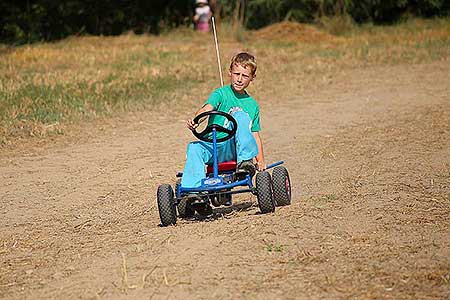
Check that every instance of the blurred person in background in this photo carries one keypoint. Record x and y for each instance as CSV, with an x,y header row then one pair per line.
x,y
202,15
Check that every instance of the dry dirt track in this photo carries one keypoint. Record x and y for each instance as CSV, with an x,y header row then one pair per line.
x,y
369,158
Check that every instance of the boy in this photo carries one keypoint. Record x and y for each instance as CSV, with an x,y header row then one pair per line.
x,y
246,145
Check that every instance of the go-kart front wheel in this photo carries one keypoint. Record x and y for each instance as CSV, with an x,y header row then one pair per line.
x,y
264,192
281,186
166,205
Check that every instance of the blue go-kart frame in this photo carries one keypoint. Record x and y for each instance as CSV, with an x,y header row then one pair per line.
x,y
222,184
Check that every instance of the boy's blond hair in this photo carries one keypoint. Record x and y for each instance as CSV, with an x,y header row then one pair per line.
x,y
244,59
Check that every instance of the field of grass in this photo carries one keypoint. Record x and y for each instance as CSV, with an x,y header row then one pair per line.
x,y
46,87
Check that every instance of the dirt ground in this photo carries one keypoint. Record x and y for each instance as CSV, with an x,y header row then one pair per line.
x,y
369,160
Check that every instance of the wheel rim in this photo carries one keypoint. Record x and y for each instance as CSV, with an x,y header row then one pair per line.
x,y
288,187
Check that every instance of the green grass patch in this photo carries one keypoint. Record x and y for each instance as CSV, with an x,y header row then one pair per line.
x,y
48,104
328,198
274,248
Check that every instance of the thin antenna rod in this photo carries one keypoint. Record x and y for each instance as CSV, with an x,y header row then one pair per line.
x,y
217,50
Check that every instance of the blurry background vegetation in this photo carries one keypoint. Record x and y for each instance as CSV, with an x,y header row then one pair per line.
x,y
109,58
45,20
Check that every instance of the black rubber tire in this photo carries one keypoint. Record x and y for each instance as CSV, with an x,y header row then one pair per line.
x,y
264,192
185,209
281,186
166,205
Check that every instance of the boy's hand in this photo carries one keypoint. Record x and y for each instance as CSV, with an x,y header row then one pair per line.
x,y
190,122
261,165
191,125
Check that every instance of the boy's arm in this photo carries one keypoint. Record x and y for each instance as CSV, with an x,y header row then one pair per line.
x,y
190,122
260,163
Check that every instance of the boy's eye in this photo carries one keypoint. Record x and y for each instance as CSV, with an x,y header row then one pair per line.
x,y
243,75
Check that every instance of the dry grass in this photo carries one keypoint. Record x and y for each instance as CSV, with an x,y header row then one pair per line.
x,y
44,87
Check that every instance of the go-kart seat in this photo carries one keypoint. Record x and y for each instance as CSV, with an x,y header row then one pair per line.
x,y
223,166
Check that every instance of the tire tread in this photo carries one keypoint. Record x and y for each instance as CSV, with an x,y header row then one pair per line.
x,y
165,198
265,192
281,195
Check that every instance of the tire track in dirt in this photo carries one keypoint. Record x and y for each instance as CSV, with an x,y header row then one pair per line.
x,y
369,163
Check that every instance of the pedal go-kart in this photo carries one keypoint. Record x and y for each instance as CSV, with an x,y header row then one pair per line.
x,y
221,182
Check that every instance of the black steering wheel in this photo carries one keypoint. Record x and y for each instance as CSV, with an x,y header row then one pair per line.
x,y
203,136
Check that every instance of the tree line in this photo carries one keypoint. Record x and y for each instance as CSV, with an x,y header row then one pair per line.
x,y
46,20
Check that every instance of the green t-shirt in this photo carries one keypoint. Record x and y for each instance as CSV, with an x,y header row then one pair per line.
x,y
226,100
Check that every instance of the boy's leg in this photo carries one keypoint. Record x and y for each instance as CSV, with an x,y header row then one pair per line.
x,y
246,147
226,151
197,155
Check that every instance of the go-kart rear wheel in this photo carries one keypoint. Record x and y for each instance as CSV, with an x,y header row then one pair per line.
x,y
185,209
166,205
281,186
264,191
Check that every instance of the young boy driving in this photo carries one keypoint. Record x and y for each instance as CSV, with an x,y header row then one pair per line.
x,y
246,146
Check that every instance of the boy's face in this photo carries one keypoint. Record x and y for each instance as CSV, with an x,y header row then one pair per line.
x,y
240,78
